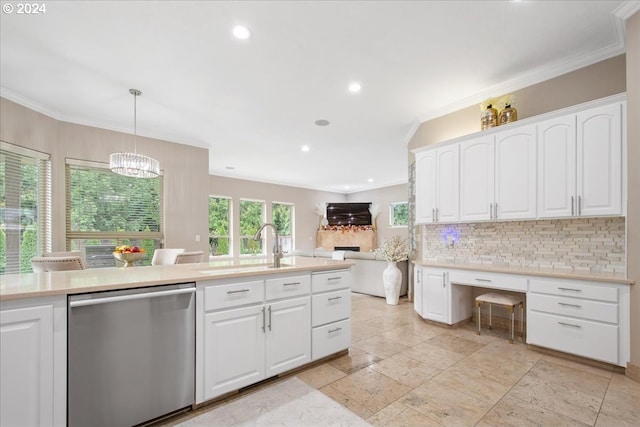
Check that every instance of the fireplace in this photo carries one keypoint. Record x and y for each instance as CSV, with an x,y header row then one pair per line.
x,y
347,248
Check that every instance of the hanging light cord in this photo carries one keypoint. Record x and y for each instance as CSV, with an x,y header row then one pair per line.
x,y
135,93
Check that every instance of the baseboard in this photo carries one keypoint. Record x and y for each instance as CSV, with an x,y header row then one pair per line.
x,y
633,371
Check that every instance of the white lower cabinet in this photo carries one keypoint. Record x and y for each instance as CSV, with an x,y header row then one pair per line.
x,y
250,330
437,299
588,319
331,312
33,364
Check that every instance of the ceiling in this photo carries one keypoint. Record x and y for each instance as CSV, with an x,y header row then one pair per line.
x,y
254,102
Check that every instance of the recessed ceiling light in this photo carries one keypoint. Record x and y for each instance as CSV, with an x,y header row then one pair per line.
x,y
346,187
322,122
355,87
370,180
241,32
304,148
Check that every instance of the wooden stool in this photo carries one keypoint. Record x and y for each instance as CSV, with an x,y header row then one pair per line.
x,y
508,301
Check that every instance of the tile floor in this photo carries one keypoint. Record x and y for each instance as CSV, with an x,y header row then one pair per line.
x,y
403,371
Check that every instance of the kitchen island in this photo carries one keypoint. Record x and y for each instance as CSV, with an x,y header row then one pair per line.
x,y
252,322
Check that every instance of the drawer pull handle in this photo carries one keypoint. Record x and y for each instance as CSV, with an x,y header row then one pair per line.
x,y
291,284
570,305
570,324
334,330
484,280
570,289
335,278
334,298
239,291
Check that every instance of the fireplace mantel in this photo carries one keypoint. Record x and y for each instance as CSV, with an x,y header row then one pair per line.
x,y
329,239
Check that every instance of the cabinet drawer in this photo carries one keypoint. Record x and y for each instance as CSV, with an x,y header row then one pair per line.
x,y
285,287
330,281
573,288
233,295
330,307
489,280
329,339
574,307
581,337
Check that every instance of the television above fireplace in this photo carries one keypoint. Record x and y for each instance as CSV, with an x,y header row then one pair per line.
x,y
348,213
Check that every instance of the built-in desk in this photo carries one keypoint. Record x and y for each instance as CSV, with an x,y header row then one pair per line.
x,y
581,314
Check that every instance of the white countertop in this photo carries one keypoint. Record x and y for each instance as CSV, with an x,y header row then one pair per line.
x,y
533,271
30,285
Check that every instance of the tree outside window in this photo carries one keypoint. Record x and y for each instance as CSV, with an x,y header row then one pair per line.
x,y
282,214
251,217
219,225
398,214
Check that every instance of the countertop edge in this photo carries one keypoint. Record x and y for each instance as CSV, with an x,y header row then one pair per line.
x,y
524,271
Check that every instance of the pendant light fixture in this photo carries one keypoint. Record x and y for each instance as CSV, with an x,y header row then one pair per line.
x,y
133,164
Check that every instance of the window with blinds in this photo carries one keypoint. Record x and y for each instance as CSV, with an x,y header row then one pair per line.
x,y
25,202
105,210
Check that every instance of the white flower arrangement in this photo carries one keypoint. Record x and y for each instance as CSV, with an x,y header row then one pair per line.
x,y
393,250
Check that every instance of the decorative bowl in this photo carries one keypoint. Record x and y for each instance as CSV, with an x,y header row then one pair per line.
x,y
129,258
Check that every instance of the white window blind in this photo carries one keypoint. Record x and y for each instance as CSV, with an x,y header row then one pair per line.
x,y
25,202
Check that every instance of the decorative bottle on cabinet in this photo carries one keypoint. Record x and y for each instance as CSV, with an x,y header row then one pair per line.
x,y
489,118
508,115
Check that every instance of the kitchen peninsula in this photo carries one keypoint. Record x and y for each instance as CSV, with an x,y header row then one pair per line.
x,y
252,322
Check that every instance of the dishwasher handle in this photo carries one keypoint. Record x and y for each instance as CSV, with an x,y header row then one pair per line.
x,y
96,301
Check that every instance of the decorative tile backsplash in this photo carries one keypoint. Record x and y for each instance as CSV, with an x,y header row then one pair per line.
x,y
585,244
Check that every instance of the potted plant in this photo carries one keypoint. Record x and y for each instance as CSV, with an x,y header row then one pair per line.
x,y
393,250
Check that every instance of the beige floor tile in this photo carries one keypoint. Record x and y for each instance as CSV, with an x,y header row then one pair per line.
x,y
398,415
387,322
435,356
516,352
471,380
447,406
558,398
402,336
354,361
601,371
427,330
380,346
362,330
622,401
365,313
570,377
348,402
606,420
511,412
408,371
504,370
455,344
371,389
321,375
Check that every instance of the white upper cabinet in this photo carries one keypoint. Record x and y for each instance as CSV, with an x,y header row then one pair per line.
x,y
580,164
557,167
498,176
437,185
515,168
477,179
599,161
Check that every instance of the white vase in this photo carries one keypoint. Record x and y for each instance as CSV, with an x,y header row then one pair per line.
x,y
392,280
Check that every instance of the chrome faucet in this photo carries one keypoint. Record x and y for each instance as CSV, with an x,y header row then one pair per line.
x,y
277,252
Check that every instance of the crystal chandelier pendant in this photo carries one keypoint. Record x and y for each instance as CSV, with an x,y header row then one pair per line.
x,y
133,164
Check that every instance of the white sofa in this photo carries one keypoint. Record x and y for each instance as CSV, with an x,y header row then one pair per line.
x,y
366,274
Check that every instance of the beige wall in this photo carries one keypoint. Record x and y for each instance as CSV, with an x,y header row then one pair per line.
x,y
384,196
185,169
595,81
633,157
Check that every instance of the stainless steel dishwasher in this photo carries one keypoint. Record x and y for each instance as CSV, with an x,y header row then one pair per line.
x,y
131,355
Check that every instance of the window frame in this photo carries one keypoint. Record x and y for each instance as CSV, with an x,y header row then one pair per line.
x,y
392,206
263,251
291,236
229,237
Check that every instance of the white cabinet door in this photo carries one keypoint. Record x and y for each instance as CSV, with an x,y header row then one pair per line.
x,y
26,366
288,335
557,167
418,289
435,296
477,179
515,173
599,161
425,186
233,349
448,184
